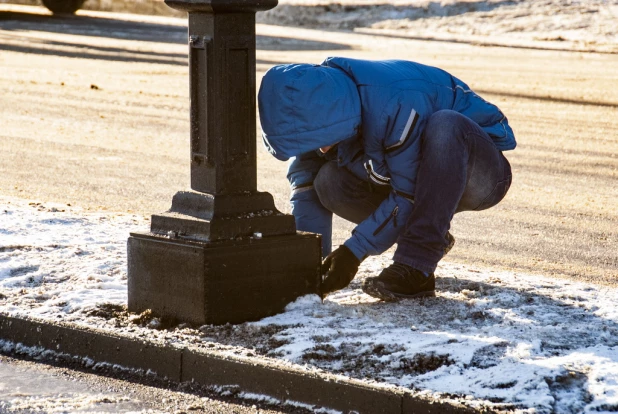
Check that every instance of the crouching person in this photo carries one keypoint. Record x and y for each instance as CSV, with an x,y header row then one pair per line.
x,y
394,146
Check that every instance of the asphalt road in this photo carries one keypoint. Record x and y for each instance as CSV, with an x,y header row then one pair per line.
x,y
94,113
32,387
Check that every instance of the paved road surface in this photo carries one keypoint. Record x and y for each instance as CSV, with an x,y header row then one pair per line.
x,y
94,112
27,387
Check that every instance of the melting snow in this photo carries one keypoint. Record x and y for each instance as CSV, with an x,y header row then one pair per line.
x,y
507,340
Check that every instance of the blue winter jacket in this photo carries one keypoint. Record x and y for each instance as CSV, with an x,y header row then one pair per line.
x,y
376,111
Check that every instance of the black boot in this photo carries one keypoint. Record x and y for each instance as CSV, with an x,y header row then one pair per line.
x,y
400,281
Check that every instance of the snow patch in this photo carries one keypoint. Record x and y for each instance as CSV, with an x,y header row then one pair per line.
x,y
491,338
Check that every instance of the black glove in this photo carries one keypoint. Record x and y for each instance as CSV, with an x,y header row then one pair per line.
x,y
338,270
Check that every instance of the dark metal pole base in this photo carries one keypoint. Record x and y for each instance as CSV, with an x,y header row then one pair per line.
x,y
221,282
202,216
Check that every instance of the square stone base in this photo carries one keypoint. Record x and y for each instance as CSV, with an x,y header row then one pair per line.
x,y
220,282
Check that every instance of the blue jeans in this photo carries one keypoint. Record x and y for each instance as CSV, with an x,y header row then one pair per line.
x,y
460,170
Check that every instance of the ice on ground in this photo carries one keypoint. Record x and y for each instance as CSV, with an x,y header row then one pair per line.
x,y
500,339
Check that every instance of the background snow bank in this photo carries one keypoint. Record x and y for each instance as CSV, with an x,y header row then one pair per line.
x,y
506,340
566,24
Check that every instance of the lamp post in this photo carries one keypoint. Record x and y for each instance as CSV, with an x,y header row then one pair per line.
x,y
223,252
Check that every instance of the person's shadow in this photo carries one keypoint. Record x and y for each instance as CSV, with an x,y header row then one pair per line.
x,y
507,339
493,330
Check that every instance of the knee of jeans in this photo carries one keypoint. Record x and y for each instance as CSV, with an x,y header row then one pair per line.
x,y
441,126
323,184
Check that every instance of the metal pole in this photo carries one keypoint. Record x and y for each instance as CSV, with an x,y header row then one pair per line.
x,y
223,252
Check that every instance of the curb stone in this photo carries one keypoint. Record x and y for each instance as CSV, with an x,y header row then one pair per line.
x,y
96,345
208,368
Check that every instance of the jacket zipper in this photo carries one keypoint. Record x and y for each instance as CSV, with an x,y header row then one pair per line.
x,y
392,216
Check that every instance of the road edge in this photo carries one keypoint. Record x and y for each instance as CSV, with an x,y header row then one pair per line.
x,y
248,376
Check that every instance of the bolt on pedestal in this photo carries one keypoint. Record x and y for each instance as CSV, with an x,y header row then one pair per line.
x,y
223,252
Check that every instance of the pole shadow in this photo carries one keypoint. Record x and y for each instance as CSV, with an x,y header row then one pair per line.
x,y
16,23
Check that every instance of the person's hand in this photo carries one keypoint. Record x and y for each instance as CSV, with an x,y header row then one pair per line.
x,y
338,270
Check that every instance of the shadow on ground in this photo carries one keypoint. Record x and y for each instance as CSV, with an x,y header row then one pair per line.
x,y
147,32
368,341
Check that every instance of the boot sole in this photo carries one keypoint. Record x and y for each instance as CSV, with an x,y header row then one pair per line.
x,y
388,296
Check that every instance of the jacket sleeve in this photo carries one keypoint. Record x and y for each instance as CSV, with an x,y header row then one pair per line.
x,y
393,146
309,213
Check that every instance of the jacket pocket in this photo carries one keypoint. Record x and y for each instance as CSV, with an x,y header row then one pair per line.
x,y
392,216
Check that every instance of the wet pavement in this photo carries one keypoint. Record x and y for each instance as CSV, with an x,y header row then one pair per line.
x,y
29,387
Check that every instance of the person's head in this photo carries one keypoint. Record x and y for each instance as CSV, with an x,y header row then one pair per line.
x,y
306,107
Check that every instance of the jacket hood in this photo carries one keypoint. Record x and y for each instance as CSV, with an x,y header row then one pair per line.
x,y
305,107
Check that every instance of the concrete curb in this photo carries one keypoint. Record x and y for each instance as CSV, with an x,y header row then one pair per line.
x,y
244,374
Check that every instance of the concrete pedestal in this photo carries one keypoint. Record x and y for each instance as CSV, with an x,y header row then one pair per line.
x,y
218,282
201,262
